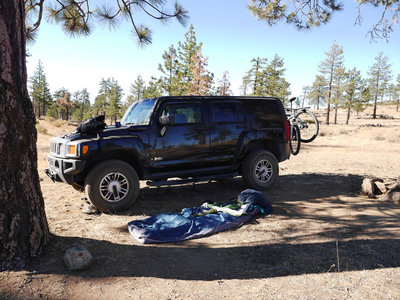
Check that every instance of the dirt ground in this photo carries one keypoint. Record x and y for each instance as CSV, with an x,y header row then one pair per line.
x,y
323,240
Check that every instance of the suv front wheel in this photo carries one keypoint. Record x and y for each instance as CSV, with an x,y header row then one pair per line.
x,y
112,186
260,170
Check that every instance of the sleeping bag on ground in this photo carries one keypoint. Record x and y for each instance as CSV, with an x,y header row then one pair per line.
x,y
200,221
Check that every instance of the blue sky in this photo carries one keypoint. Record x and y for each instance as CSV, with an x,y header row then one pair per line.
x,y
231,37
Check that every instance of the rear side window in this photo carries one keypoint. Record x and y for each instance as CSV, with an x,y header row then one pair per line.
x,y
183,113
265,113
230,112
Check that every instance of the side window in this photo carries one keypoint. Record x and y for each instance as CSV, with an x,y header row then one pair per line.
x,y
183,113
226,113
266,113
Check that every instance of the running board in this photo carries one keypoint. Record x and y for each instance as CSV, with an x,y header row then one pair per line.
x,y
191,180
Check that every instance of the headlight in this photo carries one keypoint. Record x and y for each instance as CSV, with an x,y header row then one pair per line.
x,y
72,150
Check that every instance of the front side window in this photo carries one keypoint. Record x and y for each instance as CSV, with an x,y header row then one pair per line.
x,y
183,113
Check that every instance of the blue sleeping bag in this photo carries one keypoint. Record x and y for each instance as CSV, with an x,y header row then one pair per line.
x,y
200,221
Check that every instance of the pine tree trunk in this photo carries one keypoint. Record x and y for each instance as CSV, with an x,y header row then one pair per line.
x,y
376,96
328,106
23,225
335,120
348,115
375,101
81,114
255,84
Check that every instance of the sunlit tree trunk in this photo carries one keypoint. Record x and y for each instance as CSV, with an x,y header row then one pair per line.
x,y
335,118
349,110
23,224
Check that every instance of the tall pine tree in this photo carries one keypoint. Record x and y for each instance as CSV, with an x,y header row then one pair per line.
x,y
353,88
255,76
108,100
187,51
39,91
338,89
82,104
224,85
136,90
114,96
274,83
380,75
153,89
266,78
170,70
317,93
329,67
397,90
202,79
64,103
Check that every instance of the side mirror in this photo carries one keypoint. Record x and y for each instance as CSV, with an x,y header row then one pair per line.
x,y
166,120
292,99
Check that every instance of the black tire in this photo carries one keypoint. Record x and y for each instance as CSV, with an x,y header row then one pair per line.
x,y
112,186
308,124
260,170
295,140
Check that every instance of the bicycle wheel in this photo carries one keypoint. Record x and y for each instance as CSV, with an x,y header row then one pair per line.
x,y
308,124
295,140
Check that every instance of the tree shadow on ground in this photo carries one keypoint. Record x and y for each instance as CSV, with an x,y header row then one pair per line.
x,y
185,262
366,241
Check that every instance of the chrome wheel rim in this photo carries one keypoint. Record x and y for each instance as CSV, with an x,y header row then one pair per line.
x,y
114,187
264,171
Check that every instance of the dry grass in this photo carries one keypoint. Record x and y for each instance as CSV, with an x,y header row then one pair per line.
x,y
59,123
41,129
379,138
394,140
50,119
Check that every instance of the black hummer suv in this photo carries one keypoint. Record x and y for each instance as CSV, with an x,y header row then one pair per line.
x,y
189,138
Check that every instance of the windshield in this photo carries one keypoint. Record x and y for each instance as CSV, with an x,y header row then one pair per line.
x,y
139,113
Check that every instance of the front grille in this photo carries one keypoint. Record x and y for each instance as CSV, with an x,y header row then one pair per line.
x,y
56,148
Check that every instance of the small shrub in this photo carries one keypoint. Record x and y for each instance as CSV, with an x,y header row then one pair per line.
x,y
50,119
379,138
59,123
322,133
395,140
41,129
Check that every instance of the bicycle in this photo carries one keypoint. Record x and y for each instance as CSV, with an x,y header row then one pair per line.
x,y
294,137
305,120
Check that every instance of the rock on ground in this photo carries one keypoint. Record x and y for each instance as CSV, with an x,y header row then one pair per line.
x,y
78,258
369,187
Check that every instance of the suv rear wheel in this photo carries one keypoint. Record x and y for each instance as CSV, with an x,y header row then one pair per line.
x,y
260,170
112,186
